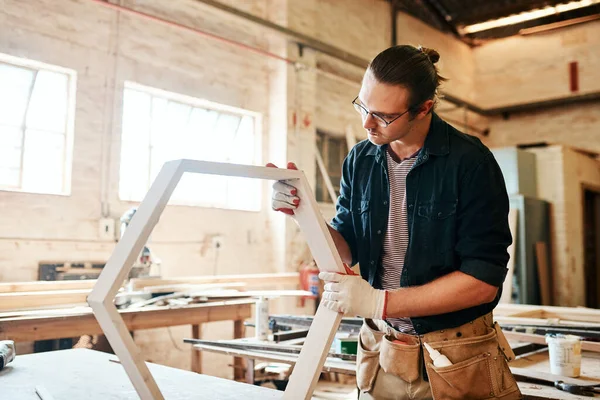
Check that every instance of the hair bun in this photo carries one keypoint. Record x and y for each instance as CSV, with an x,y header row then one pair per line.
x,y
433,55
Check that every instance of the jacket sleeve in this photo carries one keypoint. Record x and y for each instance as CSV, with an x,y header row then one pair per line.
x,y
483,235
342,222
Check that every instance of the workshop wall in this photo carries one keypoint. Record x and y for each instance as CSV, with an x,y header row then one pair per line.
x,y
524,69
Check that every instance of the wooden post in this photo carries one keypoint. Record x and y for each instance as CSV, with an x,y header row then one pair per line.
x,y
196,354
238,362
541,254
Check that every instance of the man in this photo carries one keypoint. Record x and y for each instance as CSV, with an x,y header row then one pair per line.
x,y
423,209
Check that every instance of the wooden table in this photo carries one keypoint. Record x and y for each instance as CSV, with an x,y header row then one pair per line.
x,y
89,374
539,361
43,325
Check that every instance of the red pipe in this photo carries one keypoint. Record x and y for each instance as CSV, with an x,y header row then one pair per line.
x,y
573,76
194,30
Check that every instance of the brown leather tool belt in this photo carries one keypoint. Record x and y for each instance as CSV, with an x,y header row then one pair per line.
x,y
478,351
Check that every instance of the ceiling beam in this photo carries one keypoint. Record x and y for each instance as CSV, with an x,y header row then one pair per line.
x,y
593,97
443,17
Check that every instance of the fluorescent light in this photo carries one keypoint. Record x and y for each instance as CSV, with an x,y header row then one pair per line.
x,y
527,16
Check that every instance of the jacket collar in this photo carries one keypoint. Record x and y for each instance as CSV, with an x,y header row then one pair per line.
x,y
437,140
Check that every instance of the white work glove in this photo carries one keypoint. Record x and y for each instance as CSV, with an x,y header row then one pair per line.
x,y
353,296
284,197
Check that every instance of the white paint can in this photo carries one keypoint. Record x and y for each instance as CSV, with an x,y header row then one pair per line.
x,y
565,355
261,319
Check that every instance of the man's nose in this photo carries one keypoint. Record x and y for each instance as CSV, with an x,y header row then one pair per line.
x,y
369,122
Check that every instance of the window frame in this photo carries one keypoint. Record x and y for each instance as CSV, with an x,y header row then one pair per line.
x,y
67,162
325,139
198,103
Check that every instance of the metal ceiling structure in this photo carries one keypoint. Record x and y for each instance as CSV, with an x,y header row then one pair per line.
x,y
453,15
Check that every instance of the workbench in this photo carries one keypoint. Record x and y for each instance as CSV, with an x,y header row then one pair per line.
x,y
538,361
55,324
92,375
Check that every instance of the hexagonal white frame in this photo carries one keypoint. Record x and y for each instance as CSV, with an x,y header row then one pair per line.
x,y
325,323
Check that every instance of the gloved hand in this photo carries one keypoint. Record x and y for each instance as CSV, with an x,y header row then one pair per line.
x,y
284,197
352,295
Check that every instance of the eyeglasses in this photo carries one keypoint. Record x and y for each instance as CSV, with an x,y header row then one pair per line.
x,y
379,119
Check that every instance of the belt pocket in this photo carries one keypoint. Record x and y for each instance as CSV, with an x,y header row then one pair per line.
x,y
367,357
401,360
468,379
474,371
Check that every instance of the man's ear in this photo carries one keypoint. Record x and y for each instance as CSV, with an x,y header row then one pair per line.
x,y
425,109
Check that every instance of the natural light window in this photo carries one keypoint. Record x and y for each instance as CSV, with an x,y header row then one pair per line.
x,y
160,126
36,126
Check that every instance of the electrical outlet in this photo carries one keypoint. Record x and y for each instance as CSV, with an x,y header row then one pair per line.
x,y
217,241
106,229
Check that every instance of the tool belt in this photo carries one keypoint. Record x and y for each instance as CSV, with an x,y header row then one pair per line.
x,y
478,351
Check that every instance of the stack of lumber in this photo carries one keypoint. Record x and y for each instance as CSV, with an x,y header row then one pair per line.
x,y
55,294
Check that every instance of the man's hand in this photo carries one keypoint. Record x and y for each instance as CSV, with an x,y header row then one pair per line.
x,y
284,197
353,296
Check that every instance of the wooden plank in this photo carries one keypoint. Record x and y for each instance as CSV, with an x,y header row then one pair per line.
x,y
23,329
12,301
31,300
536,311
310,221
506,296
532,338
541,253
541,322
263,281
78,310
310,362
44,286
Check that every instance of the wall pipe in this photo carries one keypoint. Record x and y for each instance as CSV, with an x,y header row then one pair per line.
x,y
154,18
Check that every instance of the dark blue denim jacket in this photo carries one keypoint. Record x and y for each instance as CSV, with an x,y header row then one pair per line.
x,y
457,208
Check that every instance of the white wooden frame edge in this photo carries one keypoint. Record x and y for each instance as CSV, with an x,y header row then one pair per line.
x,y
325,323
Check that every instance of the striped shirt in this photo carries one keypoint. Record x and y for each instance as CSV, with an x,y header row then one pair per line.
x,y
396,236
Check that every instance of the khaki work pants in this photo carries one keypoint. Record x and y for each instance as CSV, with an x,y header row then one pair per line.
x,y
387,369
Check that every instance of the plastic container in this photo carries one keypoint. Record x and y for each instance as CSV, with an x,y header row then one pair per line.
x,y
261,319
565,355
438,359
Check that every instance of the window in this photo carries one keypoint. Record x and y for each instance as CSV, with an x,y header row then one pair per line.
x,y
160,126
333,150
37,103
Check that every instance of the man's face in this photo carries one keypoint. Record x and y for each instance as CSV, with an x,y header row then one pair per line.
x,y
388,101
